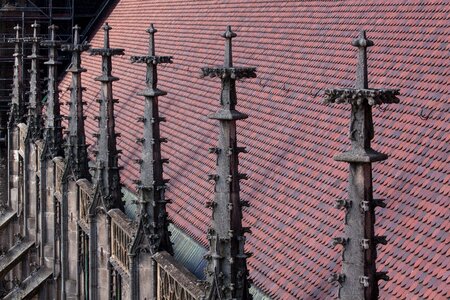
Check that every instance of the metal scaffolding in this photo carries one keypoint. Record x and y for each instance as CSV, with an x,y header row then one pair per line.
x,y
62,13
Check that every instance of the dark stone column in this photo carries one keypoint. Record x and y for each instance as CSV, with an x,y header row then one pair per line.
x,y
3,183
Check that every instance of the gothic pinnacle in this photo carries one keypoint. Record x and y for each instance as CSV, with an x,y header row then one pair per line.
x,y
152,184
359,279
226,272
17,111
77,158
34,121
53,139
107,183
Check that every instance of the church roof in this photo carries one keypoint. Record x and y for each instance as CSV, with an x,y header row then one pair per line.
x,y
299,48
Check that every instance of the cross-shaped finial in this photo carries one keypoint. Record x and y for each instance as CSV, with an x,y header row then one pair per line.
x,y
17,29
151,46
151,29
106,50
52,28
76,34
228,35
362,81
106,28
35,26
362,40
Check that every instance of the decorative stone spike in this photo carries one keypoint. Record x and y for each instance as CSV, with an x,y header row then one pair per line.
x,y
76,155
107,183
53,136
359,266
34,100
152,193
227,272
17,110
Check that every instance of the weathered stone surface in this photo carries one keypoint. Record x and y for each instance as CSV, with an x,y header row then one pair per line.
x,y
76,152
227,273
358,279
53,135
107,178
179,275
34,121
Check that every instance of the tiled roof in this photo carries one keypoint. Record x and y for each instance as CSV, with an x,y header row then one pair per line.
x,y
299,49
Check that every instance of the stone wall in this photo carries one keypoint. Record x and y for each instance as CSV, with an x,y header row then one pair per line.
x,y
3,177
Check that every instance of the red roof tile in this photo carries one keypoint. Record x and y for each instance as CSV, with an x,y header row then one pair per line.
x,y
299,48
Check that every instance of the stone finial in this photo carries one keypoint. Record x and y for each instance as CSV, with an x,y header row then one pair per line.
x,y
35,100
106,28
228,35
229,75
107,185
359,279
35,25
151,30
53,29
17,110
362,81
76,154
151,45
76,34
227,273
152,185
361,99
17,28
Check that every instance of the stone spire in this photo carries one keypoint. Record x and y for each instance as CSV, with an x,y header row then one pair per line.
x,y
227,272
108,185
77,158
53,136
152,185
359,278
17,111
35,100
